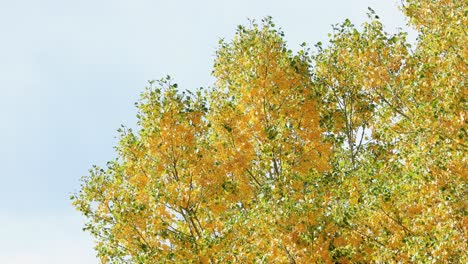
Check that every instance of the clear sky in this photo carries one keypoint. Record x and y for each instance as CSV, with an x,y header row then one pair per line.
x,y
70,72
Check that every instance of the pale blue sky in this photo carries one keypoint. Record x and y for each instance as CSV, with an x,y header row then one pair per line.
x,y
70,72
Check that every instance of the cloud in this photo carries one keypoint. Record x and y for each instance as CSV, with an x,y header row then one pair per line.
x,y
45,240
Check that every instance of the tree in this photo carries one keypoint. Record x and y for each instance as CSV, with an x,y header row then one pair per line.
x,y
353,154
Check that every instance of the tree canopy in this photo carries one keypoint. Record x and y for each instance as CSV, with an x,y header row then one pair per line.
x,y
352,153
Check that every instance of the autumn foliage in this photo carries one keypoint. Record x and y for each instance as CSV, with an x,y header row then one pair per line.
x,y
354,153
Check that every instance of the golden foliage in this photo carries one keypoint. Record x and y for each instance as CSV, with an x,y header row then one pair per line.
x,y
356,154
